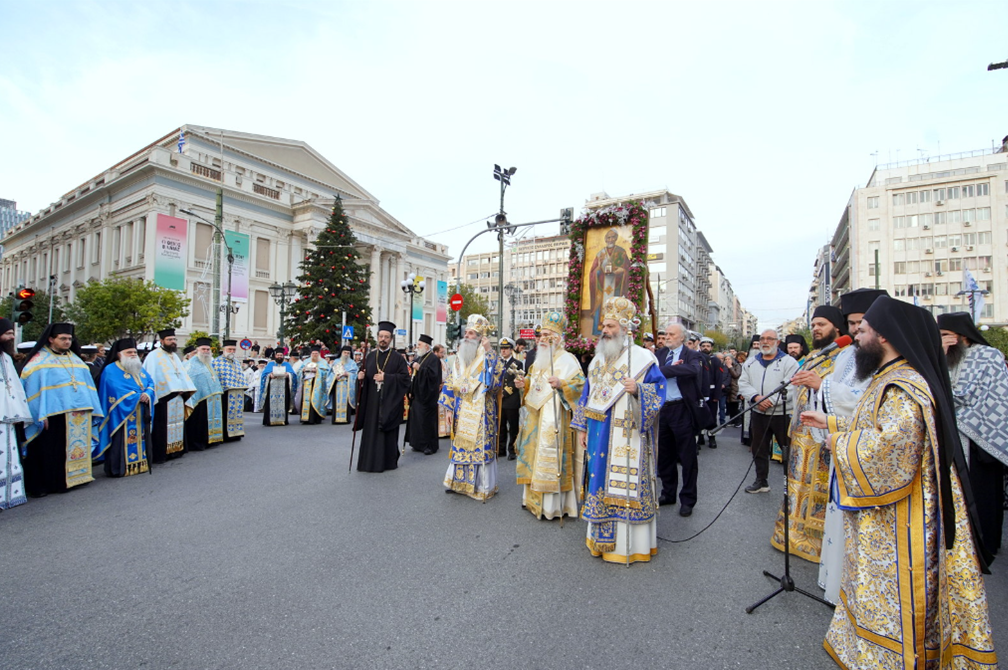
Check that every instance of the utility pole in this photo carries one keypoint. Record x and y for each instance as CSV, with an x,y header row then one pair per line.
x,y
219,220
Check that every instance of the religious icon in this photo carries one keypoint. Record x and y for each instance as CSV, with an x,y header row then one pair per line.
x,y
608,274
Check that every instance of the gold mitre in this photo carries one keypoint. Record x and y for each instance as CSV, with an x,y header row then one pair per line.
x,y
479,323
619,309
555,322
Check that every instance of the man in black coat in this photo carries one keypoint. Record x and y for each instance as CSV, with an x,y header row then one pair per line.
x,y
681,416
715,386
511,402
384,381
425,387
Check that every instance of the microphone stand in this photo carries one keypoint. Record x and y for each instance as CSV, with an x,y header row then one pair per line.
x,y
786,582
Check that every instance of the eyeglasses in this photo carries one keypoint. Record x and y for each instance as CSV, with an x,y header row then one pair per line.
x,y
768,339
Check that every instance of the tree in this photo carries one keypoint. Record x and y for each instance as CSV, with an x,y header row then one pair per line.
x,y
332,282
720,339
197,334
32,330
473,302
114,307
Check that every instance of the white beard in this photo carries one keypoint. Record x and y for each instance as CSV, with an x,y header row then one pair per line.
x,y
205,358
769,351
467,352
230,356
609,349
545,351
130,365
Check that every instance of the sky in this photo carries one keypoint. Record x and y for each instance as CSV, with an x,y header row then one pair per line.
x,y
763,116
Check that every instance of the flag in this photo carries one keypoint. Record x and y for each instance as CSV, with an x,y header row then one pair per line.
x,y
181,140
974,294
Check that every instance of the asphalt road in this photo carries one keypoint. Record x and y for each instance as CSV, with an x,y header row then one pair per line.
x,y
267,553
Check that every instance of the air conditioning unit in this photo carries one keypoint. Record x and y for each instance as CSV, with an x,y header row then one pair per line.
x,y
969,247
987,269
955,249
927,226
967,223
929,251
927,274
940,203
941,274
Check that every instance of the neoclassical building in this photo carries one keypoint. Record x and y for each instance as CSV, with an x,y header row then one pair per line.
x,y
278,191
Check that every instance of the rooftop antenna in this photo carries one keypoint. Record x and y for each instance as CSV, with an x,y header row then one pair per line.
x,y
874,156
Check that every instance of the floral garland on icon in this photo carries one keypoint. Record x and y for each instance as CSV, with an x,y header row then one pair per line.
x,y
633,214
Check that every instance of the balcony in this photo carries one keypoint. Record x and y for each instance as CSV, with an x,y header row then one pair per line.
x,y
204,171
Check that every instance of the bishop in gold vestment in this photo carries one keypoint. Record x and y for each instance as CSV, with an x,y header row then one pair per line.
x,y
550,465
809,463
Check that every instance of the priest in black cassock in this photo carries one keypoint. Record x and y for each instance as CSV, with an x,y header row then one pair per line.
x,y
384,382
422,426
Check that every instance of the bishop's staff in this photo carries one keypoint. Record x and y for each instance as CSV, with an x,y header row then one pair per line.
x,y
632,325
556,436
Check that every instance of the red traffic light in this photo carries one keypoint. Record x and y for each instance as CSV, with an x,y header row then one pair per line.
x,y
25,293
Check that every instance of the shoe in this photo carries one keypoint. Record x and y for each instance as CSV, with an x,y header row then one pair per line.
x,y
700,440
758,486
427,451
662,501
512,457
713,443
685,510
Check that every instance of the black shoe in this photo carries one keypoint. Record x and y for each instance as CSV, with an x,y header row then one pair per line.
x,y
758,486
685,510
662,501
512,457
713,443
427,451
700,440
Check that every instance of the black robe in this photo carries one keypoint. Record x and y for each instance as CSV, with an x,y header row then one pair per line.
x,y
158,449
115,455
288,398
379,413
422,427
45,465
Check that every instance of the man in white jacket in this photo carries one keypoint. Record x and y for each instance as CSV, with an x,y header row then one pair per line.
x,y
770,418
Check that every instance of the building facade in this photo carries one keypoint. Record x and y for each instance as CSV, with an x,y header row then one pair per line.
x,y
278,191
928,222
10,216
535,279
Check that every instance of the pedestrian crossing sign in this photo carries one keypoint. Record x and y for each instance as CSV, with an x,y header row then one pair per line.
x,y
347,332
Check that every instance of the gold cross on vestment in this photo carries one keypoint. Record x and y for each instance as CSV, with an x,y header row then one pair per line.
x,y
626,423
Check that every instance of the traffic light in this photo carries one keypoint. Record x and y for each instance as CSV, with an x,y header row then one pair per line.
x,y
566,220
23,305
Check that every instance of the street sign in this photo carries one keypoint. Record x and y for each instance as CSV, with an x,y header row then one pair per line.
x,y
245,344
401,332
526,334
347,332
456,302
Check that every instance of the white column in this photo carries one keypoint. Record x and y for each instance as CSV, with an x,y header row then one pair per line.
x,y
397,277
375,297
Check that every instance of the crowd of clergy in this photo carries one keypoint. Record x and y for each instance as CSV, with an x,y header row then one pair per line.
x,y
893,430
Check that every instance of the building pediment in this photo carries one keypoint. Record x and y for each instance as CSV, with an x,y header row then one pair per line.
x,y
294,155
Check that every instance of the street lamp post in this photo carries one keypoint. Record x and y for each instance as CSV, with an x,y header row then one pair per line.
x,y
513,293
411,287
229,309
283,294
501,226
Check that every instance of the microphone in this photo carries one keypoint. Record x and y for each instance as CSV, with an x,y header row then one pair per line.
x,y
838,343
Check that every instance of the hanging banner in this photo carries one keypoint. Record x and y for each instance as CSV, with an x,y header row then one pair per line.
x,y
442,302
171,252
239,243
418,301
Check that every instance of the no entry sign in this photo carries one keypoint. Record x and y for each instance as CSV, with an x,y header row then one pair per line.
x,y
456,302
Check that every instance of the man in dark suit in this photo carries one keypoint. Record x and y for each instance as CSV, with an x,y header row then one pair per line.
x,y
511,402
715,387
679,419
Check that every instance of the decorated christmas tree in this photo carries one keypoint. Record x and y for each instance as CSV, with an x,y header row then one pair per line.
x,y
331,282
